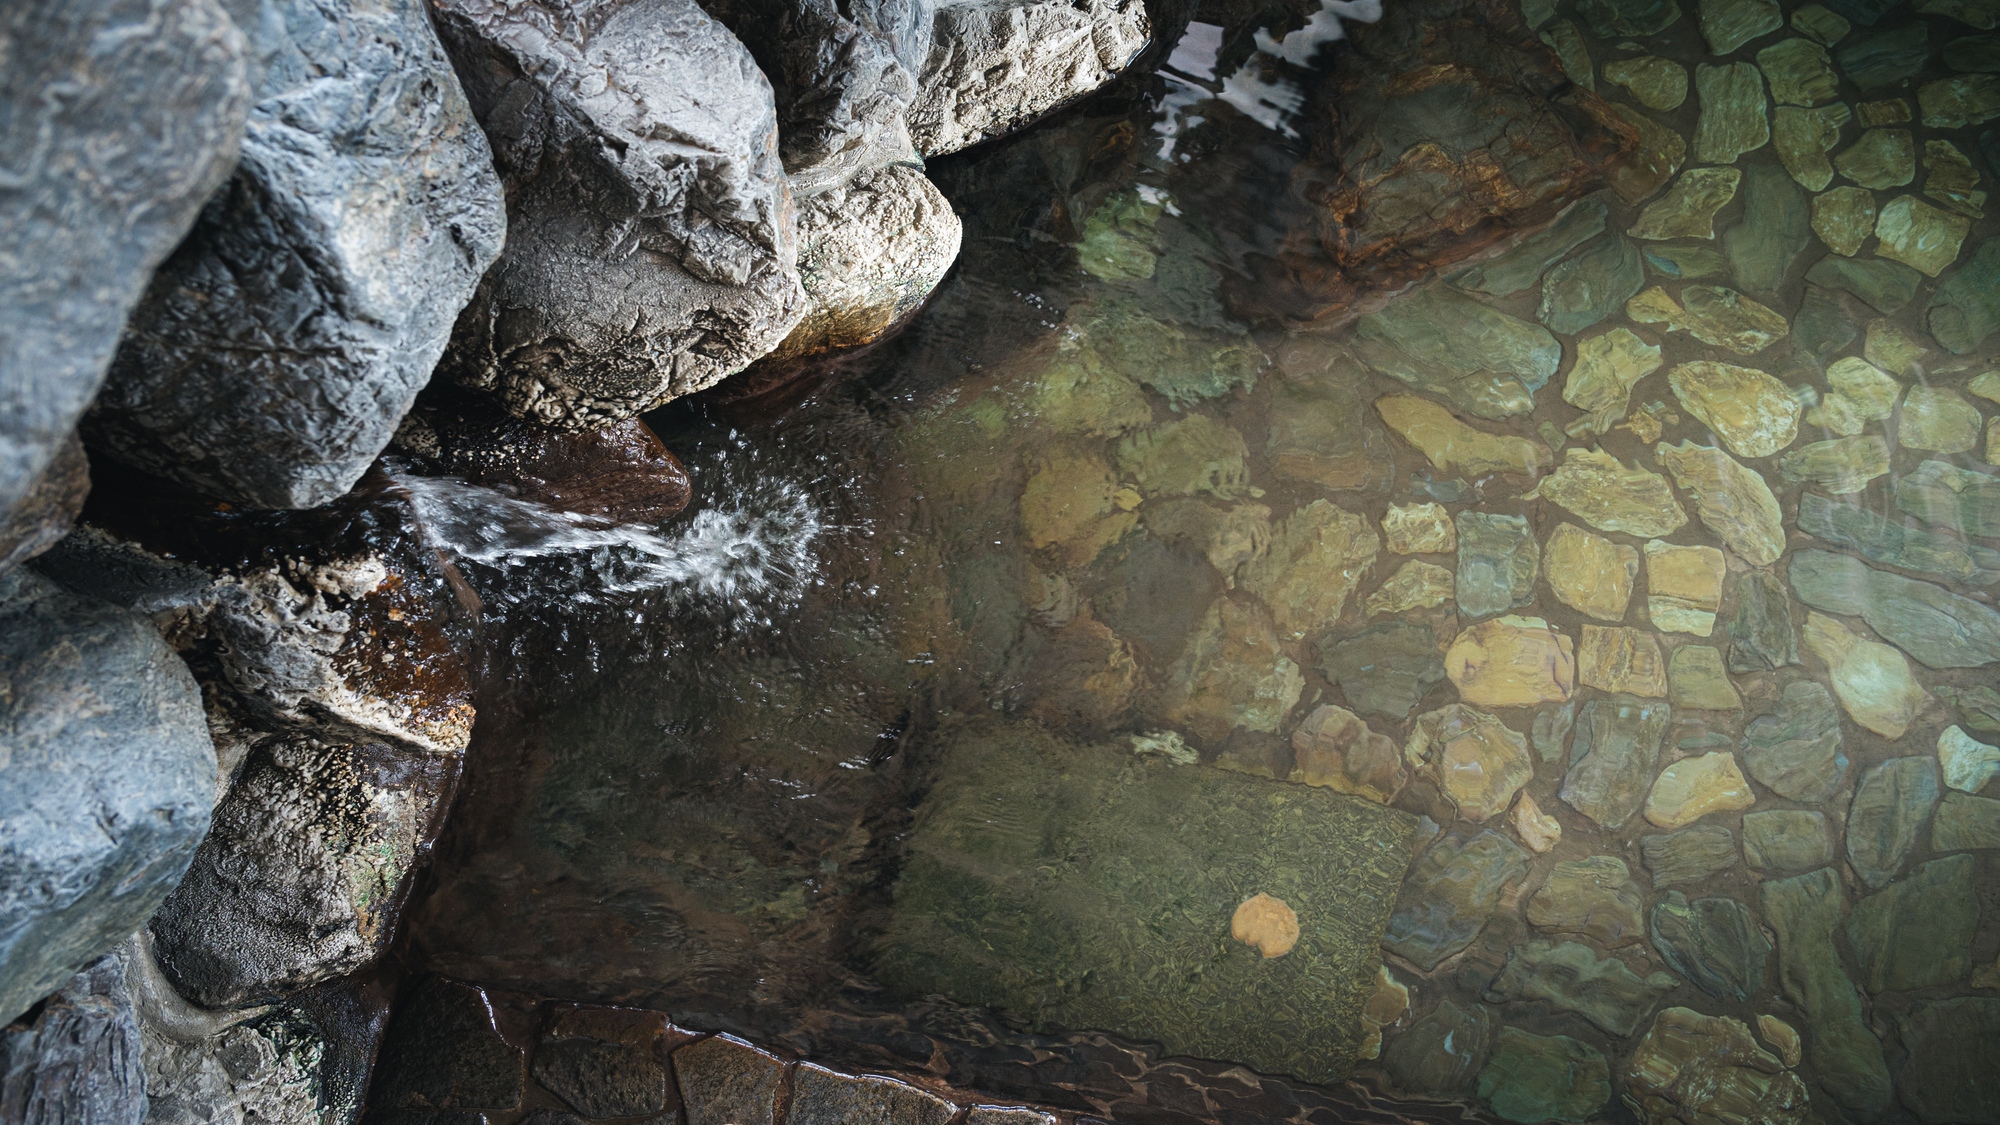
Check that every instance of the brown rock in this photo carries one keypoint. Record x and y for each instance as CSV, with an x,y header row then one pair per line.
x,y
1754,414
1595,897
1696,1068
1590,573
1416,585
1684,587
1612,496
1453,446
1537,829
1697,681
1418,529
1621,659
1472,757
1335,749
1512,661
1872,680
1694,787
1732,501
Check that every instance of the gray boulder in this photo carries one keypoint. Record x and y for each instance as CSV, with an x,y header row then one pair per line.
x,y
108,781
46,512
651,241
121,118
78,1062
279,346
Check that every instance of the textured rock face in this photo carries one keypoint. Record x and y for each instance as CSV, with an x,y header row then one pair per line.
x,y
109,780
651,245
1804,911
277,349
48,508
149,128
78,1060
443,1052
1692,1067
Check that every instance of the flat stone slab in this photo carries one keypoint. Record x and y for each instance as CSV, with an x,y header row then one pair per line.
x,y
1938,627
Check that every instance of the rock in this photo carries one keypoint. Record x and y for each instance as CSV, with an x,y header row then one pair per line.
x,y
1714,315
1821,24
1657,83
109,780
1884,58
1754,414
1335,749
1843,219
1938,419
1583,290
1804,911
1823,326
1978,706
303,874
1803,137
1683,587
1595,897
1442,1052
1714,942
995,65
1451,890
1919,235
1692,1067
1453,446
1782,1036
1537,829
870,250
1609,19
443,1052
1892,806
1795,750
1728,24
1590,573
1442,342
1071,506
1881,159
275,352
1978,13
1497,560
1694,787
1917,933
1511,661
1953,181
610,1062
1194,455
1533,1078
1567,42
1967,764
1688,209
1616,749
1607,366
1886,286
1842,466
1979,53
1314,435
1776,227
1871,680
1570,977
1965,823
1862,393
1524,264
1938,627
1732,501
1944,495
1472,758
1888,111
1761,634
1417,529
574,327
1697,682
1660,153
1232,675
1621,660
1951,1043
79,1058
1615,497
1551,729
725,1081
1690,856
1316,559
1184,365
1387,668
1953,103
1785,841
828,1097
125,162
1415,585
1800,72
47,509
1733,119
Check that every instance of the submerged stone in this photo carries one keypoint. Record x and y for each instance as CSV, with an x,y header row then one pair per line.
x,y
1879,539
1697,682
1823,326
1441,1053
1940,420
1733,119
1800,72
1954,103
1551,730
1418,529
1583,290
1938,627
1775,228
1728,24
1785,841
1862,392
1683,587
1524,265
1688,209
1451,890
1232,674
1070,506
1609,495
1965,823
1436,339
1497,560
1976,53
1511,662
1657,83
1917,932
1714,942
1686,263
1804,911
1952,180
1195,454
1317,557
1754,414
1919,235
1535,1078
1732,501
1839,465
1967,763
1610,19
1822,24
1881,159
1607,366
1318,432
1978,705
1888,111
1417,585
1978,13
1803,137
1452,446
1473,758
1884,58
1590,573
1660,153
1613,756
1886,286
1892,806
1843,219
1571,53
1385,668
1540,831
1595,897
1618,659
1893,349
1336,750
1570,977
1795,750
1692,855
1872,680
1692,1067
1694,787
1952,1045
1944,495
1761,633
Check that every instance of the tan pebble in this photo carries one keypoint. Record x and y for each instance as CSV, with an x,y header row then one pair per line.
x,y
1267,924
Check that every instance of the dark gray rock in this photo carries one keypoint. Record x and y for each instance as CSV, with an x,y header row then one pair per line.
x,y
443,1052
1785,841
828,1097
1762,635
1885,285
1524,264
1775,229
1613,757
1692,855
1714,942
1795,750
78,1061
1498,557
1804,911
1449,893
1952,1045
651,246
1965,310
725,1081
1944,495
1965,822
1917,932
1892,807
1864,12
605,1062
1386,668
1441,1052
1611,19
48,509
1883,58
101,183
108,783
1938,627
302,875
1550,730
277,349
1822,326
1570,977
1879,539
1584,290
